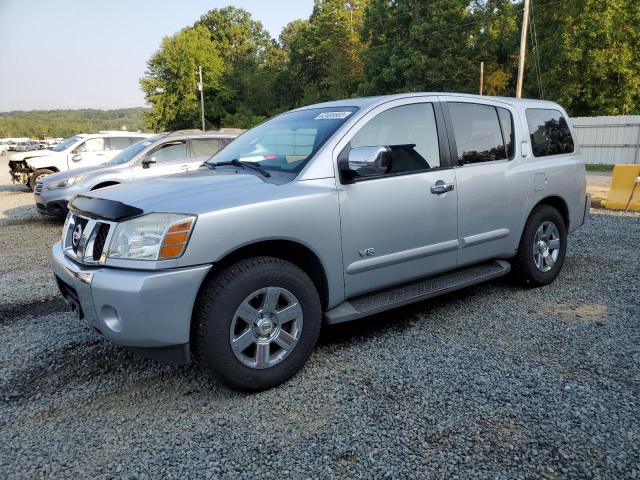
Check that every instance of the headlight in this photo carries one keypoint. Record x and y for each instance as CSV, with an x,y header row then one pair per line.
x,y
64,183
156,236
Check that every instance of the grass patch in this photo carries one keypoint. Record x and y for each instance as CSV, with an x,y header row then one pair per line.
x,y
595,167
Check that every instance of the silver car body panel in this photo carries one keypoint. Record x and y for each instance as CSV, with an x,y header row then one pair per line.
x,y
121,303
367,235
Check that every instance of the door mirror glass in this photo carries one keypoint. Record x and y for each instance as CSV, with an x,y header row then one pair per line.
x,y
367,162
76,157
146,163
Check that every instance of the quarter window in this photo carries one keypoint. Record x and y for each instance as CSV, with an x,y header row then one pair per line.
x,y
205,147
477,132
411,134
549,132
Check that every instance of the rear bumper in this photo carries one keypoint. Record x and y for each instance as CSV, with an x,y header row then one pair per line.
x,y
149,311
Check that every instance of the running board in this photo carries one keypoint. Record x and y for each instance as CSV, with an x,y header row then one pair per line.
x,y
407,293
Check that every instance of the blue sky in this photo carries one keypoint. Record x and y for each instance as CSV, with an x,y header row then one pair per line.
x,y
91,53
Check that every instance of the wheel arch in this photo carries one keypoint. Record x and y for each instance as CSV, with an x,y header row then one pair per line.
x,y
559,204
52,168
108,183
289,250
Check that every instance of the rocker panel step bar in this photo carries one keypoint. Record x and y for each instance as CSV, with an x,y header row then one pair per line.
x,y
407,293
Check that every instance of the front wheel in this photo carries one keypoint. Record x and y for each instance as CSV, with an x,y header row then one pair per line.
x,y
37,175
256,323
542,247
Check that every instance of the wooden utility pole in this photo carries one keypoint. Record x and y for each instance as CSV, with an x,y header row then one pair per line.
x,y
200,87
481,76
523,47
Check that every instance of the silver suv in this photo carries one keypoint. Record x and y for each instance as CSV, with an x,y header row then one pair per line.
x,y
166,154
326,213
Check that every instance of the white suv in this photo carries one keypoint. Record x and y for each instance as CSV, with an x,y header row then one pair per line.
x,y
83,150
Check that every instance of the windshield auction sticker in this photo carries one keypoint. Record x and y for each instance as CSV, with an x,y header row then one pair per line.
x,y
332,115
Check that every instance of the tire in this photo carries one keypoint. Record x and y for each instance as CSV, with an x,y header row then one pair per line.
x,y
37,174
539,265
216,314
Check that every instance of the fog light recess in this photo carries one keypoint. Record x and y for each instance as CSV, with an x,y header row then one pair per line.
x,y
111,319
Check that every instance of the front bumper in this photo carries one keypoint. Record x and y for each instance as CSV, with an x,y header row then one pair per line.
x,y
19,171
134,308
54,202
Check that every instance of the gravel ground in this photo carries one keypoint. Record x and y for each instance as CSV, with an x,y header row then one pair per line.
x,y
494,381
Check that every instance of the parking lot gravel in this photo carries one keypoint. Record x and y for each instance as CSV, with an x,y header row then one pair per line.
x,y
495,381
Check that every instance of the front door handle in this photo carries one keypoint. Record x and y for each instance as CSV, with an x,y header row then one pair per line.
x,y
184,168
440,187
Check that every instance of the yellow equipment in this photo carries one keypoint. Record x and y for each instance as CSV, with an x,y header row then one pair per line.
x,y
625,192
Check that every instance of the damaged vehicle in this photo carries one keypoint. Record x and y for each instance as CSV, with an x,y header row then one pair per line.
x,y
80,151
324,214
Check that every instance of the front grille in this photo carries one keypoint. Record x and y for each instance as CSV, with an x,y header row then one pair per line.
x,y
101,239
85,239
75,245
38,188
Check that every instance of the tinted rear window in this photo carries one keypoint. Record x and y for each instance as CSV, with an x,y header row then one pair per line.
x,y
478,133
549,132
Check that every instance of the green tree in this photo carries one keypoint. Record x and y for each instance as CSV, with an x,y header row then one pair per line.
x,y
495,41
66,123
240,63
324,51
416,45
170,82
589,56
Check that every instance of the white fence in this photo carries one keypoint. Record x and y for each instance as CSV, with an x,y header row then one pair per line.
x,y
609,140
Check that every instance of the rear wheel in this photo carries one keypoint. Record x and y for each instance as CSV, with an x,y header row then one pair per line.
x,y
257,323
542,247
37,175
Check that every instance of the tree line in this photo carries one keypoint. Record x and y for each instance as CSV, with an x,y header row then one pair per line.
x,y
583,54
65,123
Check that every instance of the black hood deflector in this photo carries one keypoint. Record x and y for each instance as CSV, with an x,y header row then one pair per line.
x,y
103,209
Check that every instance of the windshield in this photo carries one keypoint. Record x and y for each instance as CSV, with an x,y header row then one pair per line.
x,y
286,142
66,144
130,152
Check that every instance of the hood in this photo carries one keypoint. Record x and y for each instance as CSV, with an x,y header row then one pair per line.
x,y
34,153
194,192
54,177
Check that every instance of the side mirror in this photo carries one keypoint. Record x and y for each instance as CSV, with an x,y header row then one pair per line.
x,y
366,162
76,157
146,163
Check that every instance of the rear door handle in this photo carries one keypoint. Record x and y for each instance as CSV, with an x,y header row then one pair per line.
x,y
440,187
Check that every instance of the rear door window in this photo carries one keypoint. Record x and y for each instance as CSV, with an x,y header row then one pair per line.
x,y
119,143
506,123
477,132
549,132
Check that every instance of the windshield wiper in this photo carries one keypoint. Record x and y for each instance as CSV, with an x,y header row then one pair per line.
x,y
240,163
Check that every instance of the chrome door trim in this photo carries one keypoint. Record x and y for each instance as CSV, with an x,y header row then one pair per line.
x,y
484,237
400,257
